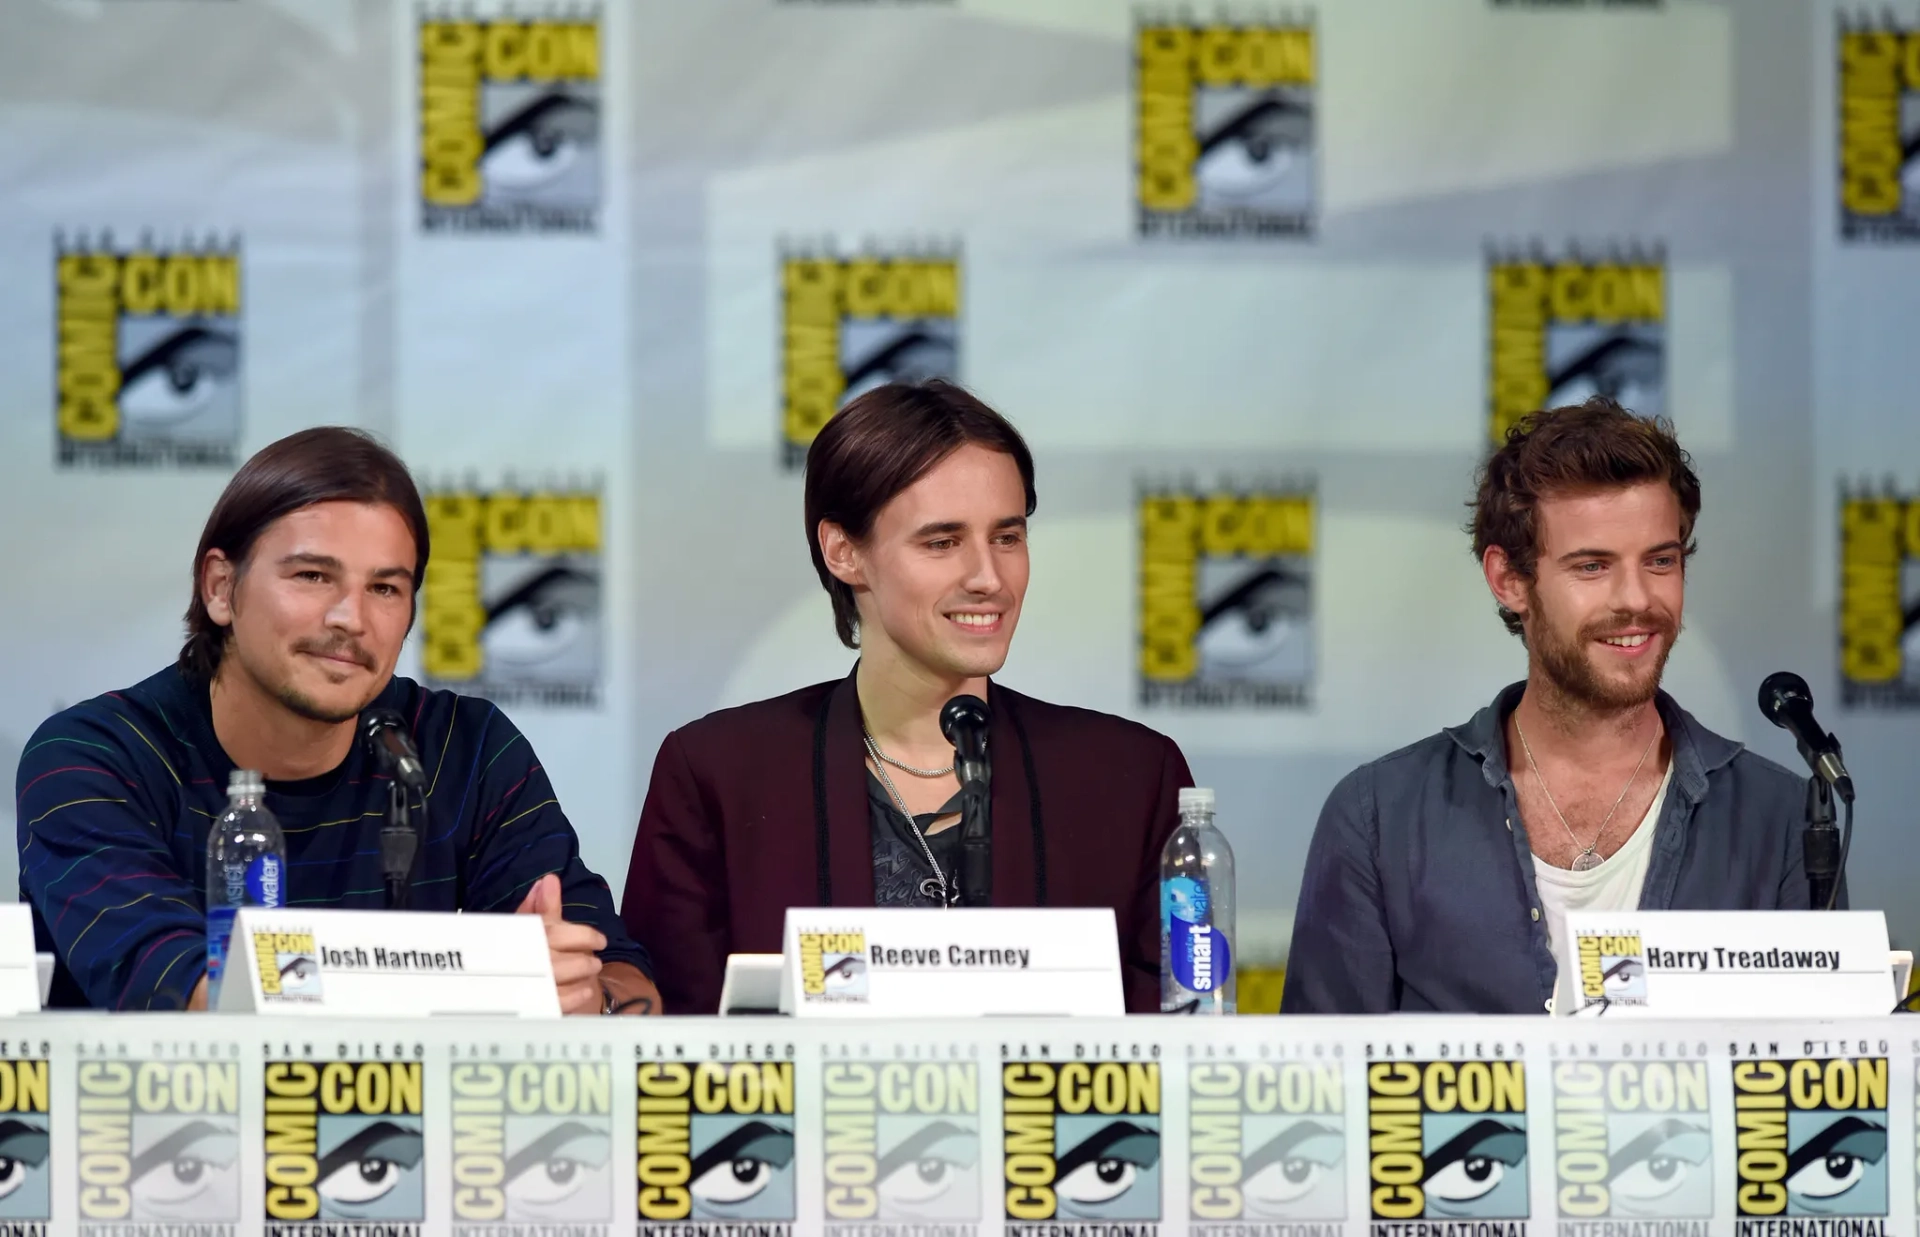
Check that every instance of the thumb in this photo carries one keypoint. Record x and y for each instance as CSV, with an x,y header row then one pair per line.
x,y
546,898
535,903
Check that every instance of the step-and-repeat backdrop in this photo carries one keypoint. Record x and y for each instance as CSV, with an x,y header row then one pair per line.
x,y
1260,282
149,1126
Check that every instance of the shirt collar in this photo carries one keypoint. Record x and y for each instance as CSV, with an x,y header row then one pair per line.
x,y
1697,751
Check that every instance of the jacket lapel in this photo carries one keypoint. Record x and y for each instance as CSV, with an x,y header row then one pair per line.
x,y
1013,854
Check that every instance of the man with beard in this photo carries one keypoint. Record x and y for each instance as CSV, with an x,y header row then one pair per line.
x,y
1440,876
304,589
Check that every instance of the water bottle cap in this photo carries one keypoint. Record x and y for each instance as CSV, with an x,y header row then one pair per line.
x,y
246,782
1195,799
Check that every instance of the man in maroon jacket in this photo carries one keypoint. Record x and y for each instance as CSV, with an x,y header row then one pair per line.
x,y
844,793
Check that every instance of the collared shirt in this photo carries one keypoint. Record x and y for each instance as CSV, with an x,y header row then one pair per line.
x,y
1419,892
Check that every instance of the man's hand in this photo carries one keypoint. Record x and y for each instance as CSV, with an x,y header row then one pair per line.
x,y
572,946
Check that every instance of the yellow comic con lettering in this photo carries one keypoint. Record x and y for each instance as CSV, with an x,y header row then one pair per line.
x,y
1027,1109
1169,612
665,1140
1214,1162
292,1140
87,362
852,1140
1165,146
479,1141
1871,154
450,140
1760,1141
1396,1162
452,616
1874,536
106,1138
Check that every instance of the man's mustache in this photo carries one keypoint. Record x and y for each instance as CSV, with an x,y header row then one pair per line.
x,y
336,648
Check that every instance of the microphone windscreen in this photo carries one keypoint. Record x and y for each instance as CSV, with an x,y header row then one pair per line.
x,y
962,712
1779,690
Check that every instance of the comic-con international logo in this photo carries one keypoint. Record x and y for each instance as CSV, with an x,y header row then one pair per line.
x,y
289,965
715,1144
159,1142
1879,116
901,1141
1447,1140
147,352
532,1146
833,966
1811,1140
344,1144
1266,1141
512,609
26,1131
510,122
1223,129
1632,1140
848,325
1081,1145
1570,325
1879,598
1226,597
1612,968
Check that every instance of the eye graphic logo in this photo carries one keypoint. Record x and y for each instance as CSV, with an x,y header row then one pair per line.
x,y
1879,598
1224,129
1226,598
1568,327
851,324
26,1128
510,125
1613,969
147,353
289,967
833,966
1812,1137
344,1143
1632,1139
1266,1141
1447,1140
1879,130
1081,1143
513,611
159,1141
902,1140
532,1142
715,1142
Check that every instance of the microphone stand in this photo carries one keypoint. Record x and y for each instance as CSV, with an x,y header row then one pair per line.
x,y
1820,845
399,841
976,830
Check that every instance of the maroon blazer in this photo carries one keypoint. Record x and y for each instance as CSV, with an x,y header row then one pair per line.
x,y
756,809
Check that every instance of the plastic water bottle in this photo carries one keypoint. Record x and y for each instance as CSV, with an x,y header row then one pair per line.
x,y
1196,912
246,866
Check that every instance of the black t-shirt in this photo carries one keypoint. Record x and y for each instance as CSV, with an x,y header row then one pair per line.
x,y
899,865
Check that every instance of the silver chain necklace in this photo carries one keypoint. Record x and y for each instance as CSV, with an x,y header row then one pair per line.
x,y
1586,860
882,757
935,886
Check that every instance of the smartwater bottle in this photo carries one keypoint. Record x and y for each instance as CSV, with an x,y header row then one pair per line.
x,y
1196,912
246,866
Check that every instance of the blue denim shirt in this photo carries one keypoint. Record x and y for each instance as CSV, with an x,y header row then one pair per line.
x,y
1419,891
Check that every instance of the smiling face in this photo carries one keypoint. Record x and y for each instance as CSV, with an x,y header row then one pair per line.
x,y
1604,607
317,616
941,577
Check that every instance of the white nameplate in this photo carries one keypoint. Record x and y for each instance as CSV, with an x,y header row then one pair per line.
x,y
872,962
20,987
1728,964
388,964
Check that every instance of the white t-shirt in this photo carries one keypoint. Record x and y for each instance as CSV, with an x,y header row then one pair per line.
x,y
1613,886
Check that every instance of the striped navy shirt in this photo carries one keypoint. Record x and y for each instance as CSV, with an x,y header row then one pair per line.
x,y
115,797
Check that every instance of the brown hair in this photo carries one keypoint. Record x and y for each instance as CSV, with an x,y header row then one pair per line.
x,y
1592,446
878,445
329,463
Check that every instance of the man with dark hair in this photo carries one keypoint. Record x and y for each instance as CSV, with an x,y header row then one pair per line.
x,y
844,793
1440,876
304,588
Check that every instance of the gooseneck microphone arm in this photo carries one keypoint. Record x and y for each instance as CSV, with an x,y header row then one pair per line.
x,y
395,755
1787,702
963,720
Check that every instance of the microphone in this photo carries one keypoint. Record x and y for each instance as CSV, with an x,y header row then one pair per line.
x,y
393,748
1787,702
963,720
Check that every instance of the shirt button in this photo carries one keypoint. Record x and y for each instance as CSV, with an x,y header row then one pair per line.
x,y
1549,1004
1536,914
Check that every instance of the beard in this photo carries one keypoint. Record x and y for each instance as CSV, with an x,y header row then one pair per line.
x,y
1567,664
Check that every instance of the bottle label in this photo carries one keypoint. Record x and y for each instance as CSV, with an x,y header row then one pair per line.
x,y
219,933
1200,956
266,881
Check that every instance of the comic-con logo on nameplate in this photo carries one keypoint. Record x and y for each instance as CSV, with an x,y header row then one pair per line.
x,y
1879,612
1266,1142
849,324
1226,596
1812,1141
1611,968
1632,1140
901,1141
1080,1145
345,1143
146,351
715,1147
510,115
833,967
26,1145
1448,1141
159,1143
1571,324
1224,129
532,1146
512,610
289,963
1878,78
